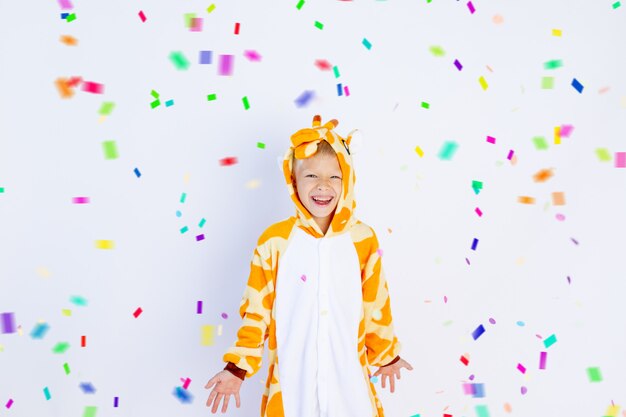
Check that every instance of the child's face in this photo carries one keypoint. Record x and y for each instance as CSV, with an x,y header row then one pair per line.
x,y
318,186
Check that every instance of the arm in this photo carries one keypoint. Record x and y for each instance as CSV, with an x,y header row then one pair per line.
x,y
380,340
244,357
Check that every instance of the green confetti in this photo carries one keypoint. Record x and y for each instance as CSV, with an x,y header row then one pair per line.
x,y
336,71
554,64
110,149
604,155
78,300
70,17
106,108
260,145
540,143
155,103
437,50
202,222
319,25
425,105
367,44
90,411
179,60
154,94
210,8
549,341
60,347
184,229
246,104
547,83
183,197
616,5
300,4
46,393
188,17
594,374
67,368
448,150
477,186
1,190
211,97
482,411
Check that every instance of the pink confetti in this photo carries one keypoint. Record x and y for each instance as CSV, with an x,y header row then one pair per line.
x,y
92,87
445,299
186,382
524,390
492,320
137,312
521,368
560,217
566,131
303,278
345,90
196,24
252,55
142,16
479,212
491,139
542,360
80,200
379,252
620,159
226,64
9,403
471,8
66,4
510,155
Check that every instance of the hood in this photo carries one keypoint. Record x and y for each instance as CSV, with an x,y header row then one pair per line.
x,y
304,145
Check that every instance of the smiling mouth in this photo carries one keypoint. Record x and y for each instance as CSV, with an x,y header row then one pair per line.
x,y
322,201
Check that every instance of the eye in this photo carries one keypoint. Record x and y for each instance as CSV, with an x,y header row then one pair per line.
x,y
336,176
311,175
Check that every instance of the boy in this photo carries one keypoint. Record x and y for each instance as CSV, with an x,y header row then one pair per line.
x,y
317,292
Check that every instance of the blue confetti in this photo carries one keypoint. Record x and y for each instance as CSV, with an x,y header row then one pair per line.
x,y
39,331
339,90
478,332
183,395
137,173
577,85
304,98
87,387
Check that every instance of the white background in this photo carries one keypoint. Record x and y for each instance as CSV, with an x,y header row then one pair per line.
x,y
422,208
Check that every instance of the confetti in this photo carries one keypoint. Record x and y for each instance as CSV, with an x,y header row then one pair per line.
x,y
477,186
184,229
66,368
109,147
482,411
300,4
39,331
540,143
464,360
183,395
224,315
549,341
202,223
1,190
246,104
526,200
558,198
497,19
577,85
80,200
543,175
66,4
116,401
228,161
252,55
207,335
492,320
137,312
620,159
199,237
437,51
367,44
557,135
478,332
339,90
186,382
46,393
458,65
603,154
557,32
471,8
9,403
137,173
616,5
521,368
491,139
210,8
237,26
323,65
211,97
419,151
69,40
169,103
483,83
448,150
479,212
87,387
199,307
303,278
142,16
66,312
553,64
8,322
205,57
90,411
524,390
510,155
83,341
425,105
196,24
474,244
543,357
547,83
70,17
566,131
92,87
105,244
106,108
179,60
594,374
303,99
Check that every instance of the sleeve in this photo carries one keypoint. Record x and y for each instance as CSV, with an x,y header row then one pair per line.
x,y
255,309
381,342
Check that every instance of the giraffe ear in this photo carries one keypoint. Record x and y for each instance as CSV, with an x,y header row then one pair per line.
x,y
355,141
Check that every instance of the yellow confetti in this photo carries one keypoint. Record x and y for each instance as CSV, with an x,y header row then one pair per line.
x,y
66,312
556,32
105,244
419,151
557,135
483,83
207,336
612,411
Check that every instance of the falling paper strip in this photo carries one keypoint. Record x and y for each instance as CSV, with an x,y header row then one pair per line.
x,y
8,323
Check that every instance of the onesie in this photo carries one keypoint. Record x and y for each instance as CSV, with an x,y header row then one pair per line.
x,y
320,301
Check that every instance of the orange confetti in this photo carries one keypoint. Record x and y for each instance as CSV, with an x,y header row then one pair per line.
x,y
558,198
507,407
526,200
497,19
69,40
543,175
64,89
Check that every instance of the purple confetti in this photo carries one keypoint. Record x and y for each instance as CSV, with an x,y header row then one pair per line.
x,y
543,357
226,65
474,244
206,57
224,315
492,321
574,240
510,155
9,403
524,390
199,307
491,139
458,65
471,8
116,401
304,98
8,323
87,387
569,280
200,237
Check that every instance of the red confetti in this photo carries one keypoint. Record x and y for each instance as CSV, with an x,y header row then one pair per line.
x,y
464,360
74,81
92,87
142,16
137,312
237,28
323,65
83,341
228,161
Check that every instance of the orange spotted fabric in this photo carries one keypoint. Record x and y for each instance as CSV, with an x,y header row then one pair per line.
x,y
377,342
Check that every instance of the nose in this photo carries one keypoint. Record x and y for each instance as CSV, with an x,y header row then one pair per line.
x,y
323,185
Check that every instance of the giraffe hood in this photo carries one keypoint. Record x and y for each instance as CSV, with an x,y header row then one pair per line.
x,y
304,145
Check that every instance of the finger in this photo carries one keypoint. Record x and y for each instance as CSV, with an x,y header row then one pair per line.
x,y
408,366
211,398
392,382
210,383
225,406
377,373
216,403
383,380
237,401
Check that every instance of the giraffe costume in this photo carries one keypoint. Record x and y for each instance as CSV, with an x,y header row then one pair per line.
x,y
321,301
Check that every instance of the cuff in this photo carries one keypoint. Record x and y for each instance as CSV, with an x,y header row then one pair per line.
x,y
397,358
233,369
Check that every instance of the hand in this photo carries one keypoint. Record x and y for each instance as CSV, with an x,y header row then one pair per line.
x,y
391,371
226,384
